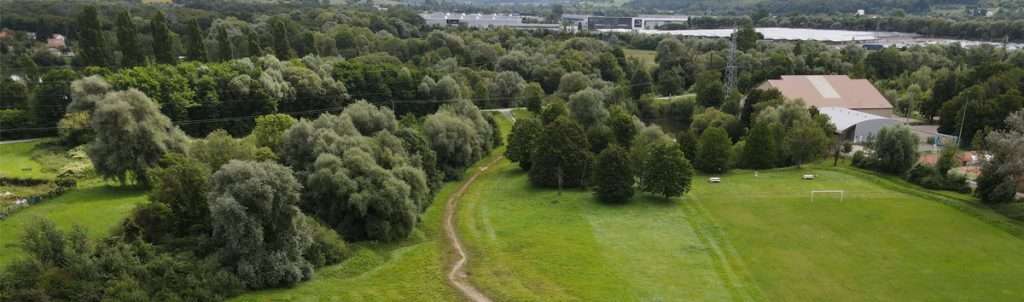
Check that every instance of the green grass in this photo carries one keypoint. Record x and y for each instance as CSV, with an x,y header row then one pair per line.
x,y
747,239
95,205
16,161
645,56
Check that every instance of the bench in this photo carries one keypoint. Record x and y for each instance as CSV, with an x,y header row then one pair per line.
x,y
808,176
714,180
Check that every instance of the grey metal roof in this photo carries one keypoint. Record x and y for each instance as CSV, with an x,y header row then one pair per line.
x,y
845,118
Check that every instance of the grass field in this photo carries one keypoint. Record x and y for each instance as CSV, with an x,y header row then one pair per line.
x,y
95,205
645,56
747,239
16,161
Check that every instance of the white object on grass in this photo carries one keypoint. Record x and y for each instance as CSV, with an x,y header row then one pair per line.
x,y
842,193
714,180
808,176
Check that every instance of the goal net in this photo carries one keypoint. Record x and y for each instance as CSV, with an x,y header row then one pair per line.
x,y
841,193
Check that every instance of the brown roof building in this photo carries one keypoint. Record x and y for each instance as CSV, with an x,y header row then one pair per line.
x,y
832,91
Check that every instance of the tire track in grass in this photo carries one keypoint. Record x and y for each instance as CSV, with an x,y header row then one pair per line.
x,y
457,275
728,263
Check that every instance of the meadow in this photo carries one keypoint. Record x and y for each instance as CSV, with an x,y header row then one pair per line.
x,y
96,205
749,238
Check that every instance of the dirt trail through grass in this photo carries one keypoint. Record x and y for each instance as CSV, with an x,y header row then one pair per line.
x,y
457,274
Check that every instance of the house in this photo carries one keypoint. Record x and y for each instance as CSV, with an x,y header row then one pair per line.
x,y
856,107
832,91
56,41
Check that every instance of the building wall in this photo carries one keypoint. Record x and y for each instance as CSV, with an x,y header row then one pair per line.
x,y
880,112
870,128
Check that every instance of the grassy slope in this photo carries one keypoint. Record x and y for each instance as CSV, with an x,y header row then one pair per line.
x,y
95,205
412,270
531,245
750,238
16,161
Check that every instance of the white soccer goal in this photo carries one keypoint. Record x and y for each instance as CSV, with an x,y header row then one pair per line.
x,y
842,193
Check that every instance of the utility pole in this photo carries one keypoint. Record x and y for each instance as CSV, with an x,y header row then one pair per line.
x,y
963,120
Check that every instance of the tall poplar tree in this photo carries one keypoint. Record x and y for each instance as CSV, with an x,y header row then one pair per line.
x,y
196,47
225,48
163,45
282,48
91,41
128,41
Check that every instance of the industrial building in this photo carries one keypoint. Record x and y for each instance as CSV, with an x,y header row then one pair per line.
x,y
855,106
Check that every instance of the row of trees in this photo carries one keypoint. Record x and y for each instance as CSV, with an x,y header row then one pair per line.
x,y
230,214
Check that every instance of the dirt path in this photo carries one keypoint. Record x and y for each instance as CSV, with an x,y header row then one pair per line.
x,y
457,275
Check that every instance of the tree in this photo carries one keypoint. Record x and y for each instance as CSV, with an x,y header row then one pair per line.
x,y
533,96
943,89
613,177
641,82
196,47
894,149
709,89
507,87
746,37
51,96
761,147
253,44
561,155
713,151
807,141
587,107
181,183
257,224
127,40
163,44
93,44
218,148
572,82
131,136
362,200
1000,176
269,129
687,142
521,141
947,160
458,140
279,33
666,171
225,48
624,126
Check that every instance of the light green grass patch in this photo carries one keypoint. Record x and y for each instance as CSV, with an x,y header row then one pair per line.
x,y
875,245
95,205
16,161
530,244
645,56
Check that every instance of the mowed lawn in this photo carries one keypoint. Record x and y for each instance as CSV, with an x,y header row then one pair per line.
x,y
747,239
